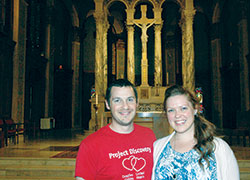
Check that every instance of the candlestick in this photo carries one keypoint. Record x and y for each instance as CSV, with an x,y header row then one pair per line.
x,y
96,98
96,114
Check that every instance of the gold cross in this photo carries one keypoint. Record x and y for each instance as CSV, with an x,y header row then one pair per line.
x,y
143,19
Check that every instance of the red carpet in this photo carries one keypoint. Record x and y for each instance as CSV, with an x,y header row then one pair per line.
x,y
69,153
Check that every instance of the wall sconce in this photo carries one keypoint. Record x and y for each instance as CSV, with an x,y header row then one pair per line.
x,y
60,67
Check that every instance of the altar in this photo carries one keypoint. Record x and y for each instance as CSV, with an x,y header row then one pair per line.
x,y
154,120
150,109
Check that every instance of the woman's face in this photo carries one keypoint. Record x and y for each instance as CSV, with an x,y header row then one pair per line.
x,y
180,113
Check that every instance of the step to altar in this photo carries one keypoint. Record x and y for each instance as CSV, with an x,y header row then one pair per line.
x,y
13,168
36,161
244,166
36,168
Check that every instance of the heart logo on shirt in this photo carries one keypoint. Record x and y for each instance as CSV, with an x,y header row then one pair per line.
x,y
134,163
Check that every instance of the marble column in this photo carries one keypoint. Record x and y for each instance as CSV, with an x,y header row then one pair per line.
x,y
120,57
158,56
97,107
113,59
105,55
49,72
171,64
216,89
99,53
188,69
130,55
75,79
19,36
243,52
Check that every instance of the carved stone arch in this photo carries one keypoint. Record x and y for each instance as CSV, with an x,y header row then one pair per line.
x,y
171,35
68,5
136,2
200,9
73,12
171,1
174,1
90,13
216,13
109,3
75,19
105,11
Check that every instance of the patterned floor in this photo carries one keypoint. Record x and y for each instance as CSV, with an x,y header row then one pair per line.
x,y
64,145
44,147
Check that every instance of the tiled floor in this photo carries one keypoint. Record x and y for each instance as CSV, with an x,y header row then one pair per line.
x,y
41,158
43,147
46,147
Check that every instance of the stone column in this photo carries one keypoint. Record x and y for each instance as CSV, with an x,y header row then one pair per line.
x,y
105,55
49,74
99,53
216,75
120,57
188,70
75,79
113,59
19,36
97,107
131,58
171,64
243,52
158,56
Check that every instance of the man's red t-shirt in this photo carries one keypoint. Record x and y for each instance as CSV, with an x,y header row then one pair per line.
x,y
107,155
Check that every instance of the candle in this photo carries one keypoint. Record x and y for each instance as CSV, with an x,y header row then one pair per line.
x,y
96,98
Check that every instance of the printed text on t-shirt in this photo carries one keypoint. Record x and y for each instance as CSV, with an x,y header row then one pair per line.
x,y
120,154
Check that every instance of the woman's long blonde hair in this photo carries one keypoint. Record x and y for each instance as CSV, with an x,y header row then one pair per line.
x,y
204,130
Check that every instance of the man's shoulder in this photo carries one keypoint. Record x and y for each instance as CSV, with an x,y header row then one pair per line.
x,y
145,131
96,135
140,127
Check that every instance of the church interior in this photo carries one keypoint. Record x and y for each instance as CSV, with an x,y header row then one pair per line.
x,y
57,57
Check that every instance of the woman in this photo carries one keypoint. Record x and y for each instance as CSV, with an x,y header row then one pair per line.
x,y
191,151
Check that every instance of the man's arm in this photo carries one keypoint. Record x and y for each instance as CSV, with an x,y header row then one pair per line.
x,y
86,160
79,178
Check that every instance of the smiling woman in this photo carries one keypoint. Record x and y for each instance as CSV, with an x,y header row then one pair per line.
x,y
192,151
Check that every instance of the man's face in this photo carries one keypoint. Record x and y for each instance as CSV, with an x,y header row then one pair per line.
x,y
122,106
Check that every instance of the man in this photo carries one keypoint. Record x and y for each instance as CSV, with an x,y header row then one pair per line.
x,y
121,150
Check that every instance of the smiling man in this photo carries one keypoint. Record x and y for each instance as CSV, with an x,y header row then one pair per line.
x,y
121,150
